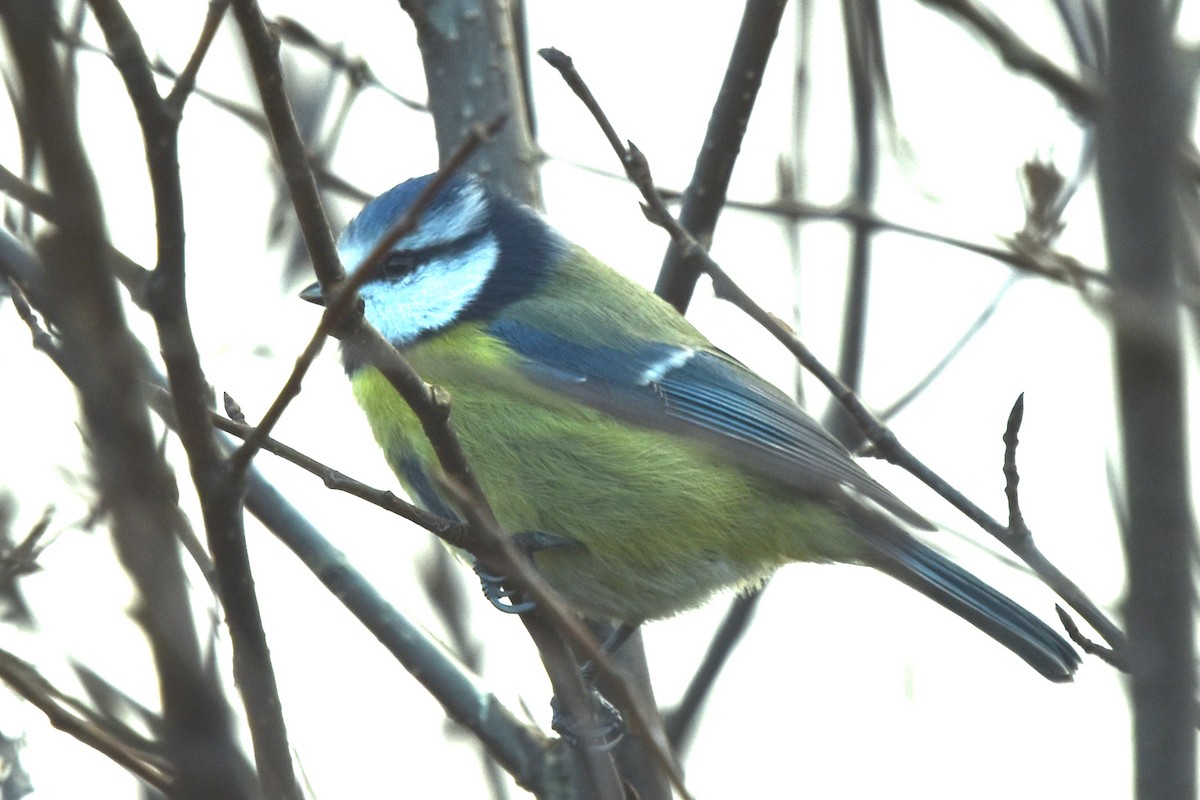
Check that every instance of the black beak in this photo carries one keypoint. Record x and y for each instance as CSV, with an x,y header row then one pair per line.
x,y
313,294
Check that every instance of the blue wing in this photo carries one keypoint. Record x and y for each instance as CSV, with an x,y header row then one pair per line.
x,y
700,393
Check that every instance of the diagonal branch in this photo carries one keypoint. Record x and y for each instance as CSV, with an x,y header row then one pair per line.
x,y
219,485
1081,96
76,720
705,194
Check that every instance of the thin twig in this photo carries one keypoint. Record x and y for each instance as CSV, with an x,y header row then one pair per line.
x,y
78,721
357,70
898,405
340,482
682,720
1016,520
863,35
1107,654
1045,263
42,340
1079,95
185,82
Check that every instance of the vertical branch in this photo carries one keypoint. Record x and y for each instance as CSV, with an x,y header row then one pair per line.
x,y
1140,133
219,485
681,723
864,53
473,76
262,50
446,64
792,179
635,760
595,764
705,194
702,203
136,486
524,68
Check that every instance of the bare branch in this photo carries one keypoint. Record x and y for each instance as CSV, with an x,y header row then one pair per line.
x,y
472,78
340,482
1145,121
137,488
1080,95
185,82
357,70
219,486
682,720
705,194
76,720
863,34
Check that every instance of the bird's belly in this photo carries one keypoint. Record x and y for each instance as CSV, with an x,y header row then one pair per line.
x,y
662,522
635,591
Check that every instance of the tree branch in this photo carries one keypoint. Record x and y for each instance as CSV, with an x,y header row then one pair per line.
x,y
219,485
705,195
136,486
1079,95
1142,126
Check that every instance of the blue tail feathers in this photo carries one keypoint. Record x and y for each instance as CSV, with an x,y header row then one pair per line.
x,y
900,555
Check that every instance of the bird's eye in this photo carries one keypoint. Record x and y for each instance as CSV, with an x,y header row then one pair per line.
x,y
399,264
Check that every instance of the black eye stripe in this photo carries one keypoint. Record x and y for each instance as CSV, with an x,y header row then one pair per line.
x,y
402,263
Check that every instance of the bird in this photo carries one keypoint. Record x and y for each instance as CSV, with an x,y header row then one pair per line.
x,y
641,468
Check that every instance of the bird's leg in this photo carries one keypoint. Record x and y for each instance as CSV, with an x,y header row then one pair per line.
x,y
611,645
528,542
608,727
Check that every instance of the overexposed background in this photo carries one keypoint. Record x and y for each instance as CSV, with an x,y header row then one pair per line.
x,y
848,684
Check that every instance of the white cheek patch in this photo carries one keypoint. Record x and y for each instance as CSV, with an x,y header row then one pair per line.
x,y
433,296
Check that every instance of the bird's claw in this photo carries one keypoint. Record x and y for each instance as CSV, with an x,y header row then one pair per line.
x,y
528,542
499,595
605,731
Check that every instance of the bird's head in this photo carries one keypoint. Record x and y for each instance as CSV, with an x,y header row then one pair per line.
x,y
474,252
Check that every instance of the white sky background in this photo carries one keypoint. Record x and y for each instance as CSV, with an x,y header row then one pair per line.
x,y
848,684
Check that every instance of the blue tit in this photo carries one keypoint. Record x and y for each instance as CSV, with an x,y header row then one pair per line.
x,y
648,468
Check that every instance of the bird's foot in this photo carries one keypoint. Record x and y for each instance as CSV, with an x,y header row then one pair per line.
x,y
499,595
496,588
603,731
